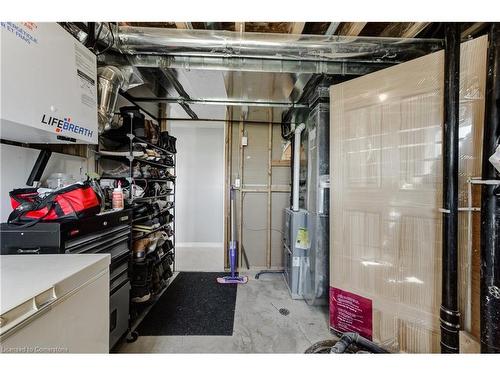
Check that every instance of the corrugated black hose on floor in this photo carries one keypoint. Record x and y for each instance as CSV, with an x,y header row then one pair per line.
x,y
349,342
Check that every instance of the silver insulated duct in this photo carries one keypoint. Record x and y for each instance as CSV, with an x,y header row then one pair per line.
x,y
210,43
110,80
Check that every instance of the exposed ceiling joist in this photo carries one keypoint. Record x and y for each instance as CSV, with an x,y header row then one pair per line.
x,y
297,27
473,29
239,27
184,25
351,28
404,29
212,25
332,28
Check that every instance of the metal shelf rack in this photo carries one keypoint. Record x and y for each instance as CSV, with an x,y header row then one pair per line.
x,y
139,313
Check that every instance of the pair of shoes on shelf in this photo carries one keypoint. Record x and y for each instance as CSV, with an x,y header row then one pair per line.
x,y
136,170
133,120
123,150
137,191
152,132
170,176
113,168
153,241
168,142
155,172
161,189
147,226
164,204
139,249
145,171
140,294
140,278
140,210
152,155
144,246
168,160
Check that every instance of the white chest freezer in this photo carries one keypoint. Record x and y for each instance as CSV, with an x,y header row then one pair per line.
x,y
54,303
48,85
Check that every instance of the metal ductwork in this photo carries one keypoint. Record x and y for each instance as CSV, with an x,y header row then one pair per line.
x,y
210,43
273,46
111,80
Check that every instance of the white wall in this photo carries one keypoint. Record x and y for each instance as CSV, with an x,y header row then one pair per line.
x,y
16,164
199,196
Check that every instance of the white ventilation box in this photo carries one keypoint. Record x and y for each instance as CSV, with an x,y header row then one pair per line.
x,y
48,85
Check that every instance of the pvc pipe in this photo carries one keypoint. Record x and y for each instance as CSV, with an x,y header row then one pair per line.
x,y
296,166
350,338
449,314
490,204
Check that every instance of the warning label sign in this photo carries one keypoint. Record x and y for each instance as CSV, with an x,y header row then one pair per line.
x,y
350,313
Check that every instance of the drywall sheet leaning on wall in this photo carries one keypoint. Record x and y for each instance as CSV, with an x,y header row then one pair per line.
x,y
386,188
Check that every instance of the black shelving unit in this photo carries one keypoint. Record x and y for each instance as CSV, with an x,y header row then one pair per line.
x,y
137,159
138,311
161,227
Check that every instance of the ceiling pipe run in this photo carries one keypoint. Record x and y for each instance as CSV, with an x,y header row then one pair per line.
x,y
490,206
296,166
449,314
244,64
210,43
287,48
225,102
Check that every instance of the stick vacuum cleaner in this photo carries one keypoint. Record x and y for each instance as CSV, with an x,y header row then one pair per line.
x,y
233,279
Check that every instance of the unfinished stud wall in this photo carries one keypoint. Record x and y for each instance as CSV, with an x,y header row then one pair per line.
x,y
386,192
265,187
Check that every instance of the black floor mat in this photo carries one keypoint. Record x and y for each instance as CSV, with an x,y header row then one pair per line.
x,y
194,304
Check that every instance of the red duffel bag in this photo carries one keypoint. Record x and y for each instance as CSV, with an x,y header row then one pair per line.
x,y
73,201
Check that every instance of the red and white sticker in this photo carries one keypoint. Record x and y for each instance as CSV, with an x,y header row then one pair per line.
x,y
350,312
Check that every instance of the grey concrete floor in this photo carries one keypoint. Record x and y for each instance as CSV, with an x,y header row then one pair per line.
x,y
258,325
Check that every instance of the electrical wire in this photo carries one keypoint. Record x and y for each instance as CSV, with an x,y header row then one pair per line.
x,y
97,36
112,40
256,229
261,230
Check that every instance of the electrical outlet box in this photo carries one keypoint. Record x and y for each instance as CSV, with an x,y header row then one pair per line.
x,y
244,141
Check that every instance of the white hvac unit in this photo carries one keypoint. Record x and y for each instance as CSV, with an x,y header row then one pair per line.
x,y
48,85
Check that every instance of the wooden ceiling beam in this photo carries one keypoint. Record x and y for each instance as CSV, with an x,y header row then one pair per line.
x,y
475,27
332,28
184,25
404,29
239,27
297,27
351,28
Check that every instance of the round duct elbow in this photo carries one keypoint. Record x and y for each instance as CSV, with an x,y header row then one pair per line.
x,y
110,80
